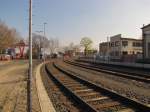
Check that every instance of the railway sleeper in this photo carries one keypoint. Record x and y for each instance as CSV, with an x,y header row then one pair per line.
x,y
83,90
96,98
113,108
102,100
107,105
88,94
74,84
79,88
70,83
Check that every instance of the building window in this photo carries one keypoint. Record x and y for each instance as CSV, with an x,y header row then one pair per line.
x,y
133,52
117,43
112,53
116,53
112,44
138,52
109,44
148,50
137,44
124,52
124,43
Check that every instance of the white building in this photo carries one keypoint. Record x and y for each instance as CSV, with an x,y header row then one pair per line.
x,y
120,48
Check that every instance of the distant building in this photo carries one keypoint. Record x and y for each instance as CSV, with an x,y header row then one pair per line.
x,y
103,48
119,48
146,41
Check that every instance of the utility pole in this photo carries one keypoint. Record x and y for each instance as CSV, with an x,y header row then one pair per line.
x,y
44,36
29,83
44,28
108,49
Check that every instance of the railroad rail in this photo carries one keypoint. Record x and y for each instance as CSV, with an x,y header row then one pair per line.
x,y
121,68
92,97
134,76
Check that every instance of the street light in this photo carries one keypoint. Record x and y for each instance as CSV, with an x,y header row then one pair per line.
x,y
108,49
44,36
44,27
29,83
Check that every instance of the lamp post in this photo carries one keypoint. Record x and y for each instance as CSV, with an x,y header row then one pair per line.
x,y
44,27
29,83
108,48
44,36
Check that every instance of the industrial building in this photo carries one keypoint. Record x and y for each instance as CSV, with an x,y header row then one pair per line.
x,y
121,49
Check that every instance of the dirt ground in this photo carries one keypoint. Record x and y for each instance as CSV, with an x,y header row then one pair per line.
x,y
13,87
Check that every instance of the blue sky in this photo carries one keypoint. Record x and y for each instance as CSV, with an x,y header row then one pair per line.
x,y
70,20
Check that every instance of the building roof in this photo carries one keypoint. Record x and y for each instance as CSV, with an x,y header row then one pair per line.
x,y
104,43
131,39
145,26
118,35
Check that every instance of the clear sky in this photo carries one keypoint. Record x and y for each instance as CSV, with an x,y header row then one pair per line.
x,y
70,20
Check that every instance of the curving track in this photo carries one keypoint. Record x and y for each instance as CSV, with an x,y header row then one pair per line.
x,y
92,97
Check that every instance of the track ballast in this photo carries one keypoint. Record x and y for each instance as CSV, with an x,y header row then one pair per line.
x,y
92,97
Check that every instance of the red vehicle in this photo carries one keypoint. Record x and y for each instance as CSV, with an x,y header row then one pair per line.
x,y
5,57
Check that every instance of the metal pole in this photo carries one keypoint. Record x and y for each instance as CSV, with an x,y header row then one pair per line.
x,y
108,49
44,36
29,97
44,28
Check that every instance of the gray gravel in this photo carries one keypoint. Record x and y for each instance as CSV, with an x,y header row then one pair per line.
x,y
127,87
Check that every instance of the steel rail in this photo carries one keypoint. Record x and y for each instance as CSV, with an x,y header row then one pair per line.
x,y
71,94
133,77
123,99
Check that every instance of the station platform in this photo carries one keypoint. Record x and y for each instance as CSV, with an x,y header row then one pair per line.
x,y
44,100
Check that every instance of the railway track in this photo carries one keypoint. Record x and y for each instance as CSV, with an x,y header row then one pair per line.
x,y
92,97
134,76
119,68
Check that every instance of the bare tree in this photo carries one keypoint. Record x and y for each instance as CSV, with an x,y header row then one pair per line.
x,y
53,44
8,36
39,42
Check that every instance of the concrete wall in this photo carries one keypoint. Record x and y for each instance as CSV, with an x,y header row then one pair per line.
x,y
115,49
